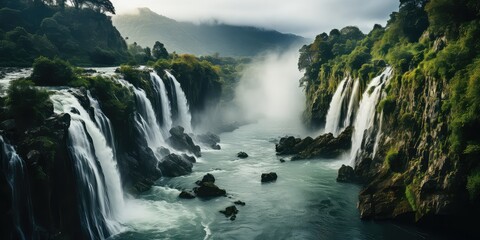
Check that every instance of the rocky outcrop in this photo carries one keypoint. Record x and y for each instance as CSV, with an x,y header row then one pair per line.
x,y
230,212
269,177
186,195
346,174
323,146
242,155
182,142
174,165
207,188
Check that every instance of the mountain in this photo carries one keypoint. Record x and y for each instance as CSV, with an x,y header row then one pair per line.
x,y
146,27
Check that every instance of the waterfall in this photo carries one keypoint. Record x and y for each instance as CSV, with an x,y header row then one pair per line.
x,y
14,169
101,195
352,103
145,118
102,122
366,111
184,117
162,102
332,123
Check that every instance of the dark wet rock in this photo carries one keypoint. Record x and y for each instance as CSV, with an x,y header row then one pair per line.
x,y
208,190
186,195
174,165
209,139
323,146
282,160
269,177
239,203
75,111
8,125
346,174
182,141
191,159
230,212
242,155
207,178
143,185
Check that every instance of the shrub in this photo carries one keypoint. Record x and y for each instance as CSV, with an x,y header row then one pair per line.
x,y
473,185
54,72
27,104
410,195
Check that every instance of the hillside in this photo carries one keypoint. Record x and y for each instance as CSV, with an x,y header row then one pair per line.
x,y
147,27
418,155
83,36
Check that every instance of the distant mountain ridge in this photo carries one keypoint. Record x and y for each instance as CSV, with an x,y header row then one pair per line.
x,y
204,39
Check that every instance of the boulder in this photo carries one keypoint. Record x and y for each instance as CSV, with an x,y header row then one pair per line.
x,y
216,147
209,190
326,146
8,125
182,142
186,195
207,178
230,212
282,160
174,165
239,203
242,155
269,177
346,174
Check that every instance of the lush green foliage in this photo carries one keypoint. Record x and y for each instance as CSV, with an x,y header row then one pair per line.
x,y
410,197
27,104
84,36
54,72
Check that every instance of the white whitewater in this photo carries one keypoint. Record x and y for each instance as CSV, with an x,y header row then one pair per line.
x,y
146,119
184,116
352,103
366,111
161,92
15,171
102,121
102,191
332,122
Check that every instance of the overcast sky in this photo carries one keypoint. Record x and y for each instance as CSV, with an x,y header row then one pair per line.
x,y
303,17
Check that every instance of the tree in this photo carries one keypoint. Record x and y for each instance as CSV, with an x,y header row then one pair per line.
x,y
159,51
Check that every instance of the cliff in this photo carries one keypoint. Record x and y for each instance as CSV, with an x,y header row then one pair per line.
x,y
419,160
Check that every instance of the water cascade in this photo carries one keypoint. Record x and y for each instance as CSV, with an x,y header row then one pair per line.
x,y
332,123
184,118
145,118
100,190
162,102
14,169
352,104
102,121
366,111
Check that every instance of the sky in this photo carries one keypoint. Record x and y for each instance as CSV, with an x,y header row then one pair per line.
x,y
302,17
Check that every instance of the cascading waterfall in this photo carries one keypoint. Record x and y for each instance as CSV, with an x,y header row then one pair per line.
x,y
352,103
332,123
146,119
102,122
184,116
14,169
366,111
101,194
163,102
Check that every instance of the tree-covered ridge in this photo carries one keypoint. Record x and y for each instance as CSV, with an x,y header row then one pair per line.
x,y
81,33
433,113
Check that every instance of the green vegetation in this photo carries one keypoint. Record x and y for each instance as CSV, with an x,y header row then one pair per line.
x,y
410,195
83,34
434,50
54,72
27,104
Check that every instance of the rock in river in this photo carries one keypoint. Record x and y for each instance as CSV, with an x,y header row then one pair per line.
x,y
269,177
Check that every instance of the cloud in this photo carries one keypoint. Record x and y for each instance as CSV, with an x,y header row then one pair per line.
x,y
302,17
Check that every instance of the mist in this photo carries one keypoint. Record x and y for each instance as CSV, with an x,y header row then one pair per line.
x,y
269,88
